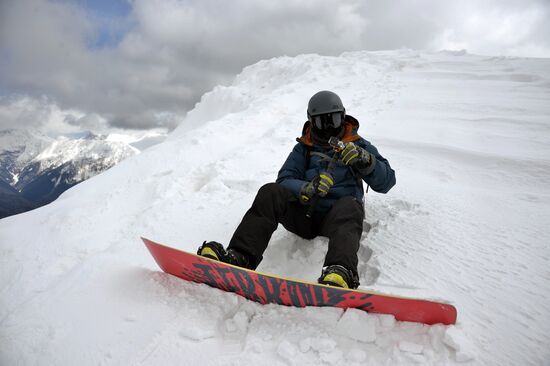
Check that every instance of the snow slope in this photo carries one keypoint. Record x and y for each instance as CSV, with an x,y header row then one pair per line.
x,y
467,222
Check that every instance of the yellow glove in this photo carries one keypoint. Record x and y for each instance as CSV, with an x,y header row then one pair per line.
x,y
352,154
325,183
320,185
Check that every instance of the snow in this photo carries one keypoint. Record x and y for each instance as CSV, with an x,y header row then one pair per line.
x,y
467,223
358,325
462,345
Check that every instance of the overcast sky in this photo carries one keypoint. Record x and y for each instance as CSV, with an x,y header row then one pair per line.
x,y
70,65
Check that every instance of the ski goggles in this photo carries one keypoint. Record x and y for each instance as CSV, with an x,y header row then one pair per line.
x,y
328,120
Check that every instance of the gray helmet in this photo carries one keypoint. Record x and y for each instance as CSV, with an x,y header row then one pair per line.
x,y
328,108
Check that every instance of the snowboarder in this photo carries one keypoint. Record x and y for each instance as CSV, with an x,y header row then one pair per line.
x,y
312,197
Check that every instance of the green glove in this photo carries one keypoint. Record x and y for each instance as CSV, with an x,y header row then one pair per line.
x,y
320,185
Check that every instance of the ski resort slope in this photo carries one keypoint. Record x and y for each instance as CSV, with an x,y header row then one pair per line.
x,y
467,222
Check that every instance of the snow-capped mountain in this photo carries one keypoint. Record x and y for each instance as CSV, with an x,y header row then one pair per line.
x,y
40,168
17,148
467,222
79,159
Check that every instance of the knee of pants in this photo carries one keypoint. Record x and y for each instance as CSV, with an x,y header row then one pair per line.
x,y
268,188
349,207
271,189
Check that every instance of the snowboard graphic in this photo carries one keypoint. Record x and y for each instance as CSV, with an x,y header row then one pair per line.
x,y
265,288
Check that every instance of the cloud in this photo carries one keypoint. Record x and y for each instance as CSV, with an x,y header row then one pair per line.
x,y
509,28
24,112
146,66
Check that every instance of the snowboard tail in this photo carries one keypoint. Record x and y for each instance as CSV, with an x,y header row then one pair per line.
x,y
266,288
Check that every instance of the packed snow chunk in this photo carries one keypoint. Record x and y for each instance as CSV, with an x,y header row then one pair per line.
x,y
197,333
457,340
287,350
198,327
413,358
387,321
333,357
411,347
325,316
436,334
356,355
358,325
318,344
238,323
326,348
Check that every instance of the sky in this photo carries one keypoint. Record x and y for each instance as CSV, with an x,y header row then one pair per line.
x,y
71,65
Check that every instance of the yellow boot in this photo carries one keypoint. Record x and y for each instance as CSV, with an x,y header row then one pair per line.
x,y
338,276
212,250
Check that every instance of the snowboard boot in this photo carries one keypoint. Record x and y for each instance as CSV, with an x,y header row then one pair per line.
x,y
212,250
237,258
339,276
216,251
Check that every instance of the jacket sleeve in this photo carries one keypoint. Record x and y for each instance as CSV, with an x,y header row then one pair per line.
x,y
292,173
378,174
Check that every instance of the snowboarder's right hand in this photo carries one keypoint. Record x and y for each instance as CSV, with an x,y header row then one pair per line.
x,y
353,155
320,185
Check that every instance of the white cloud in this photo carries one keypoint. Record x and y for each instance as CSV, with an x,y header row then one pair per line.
x,y
173,51
41,113
492,28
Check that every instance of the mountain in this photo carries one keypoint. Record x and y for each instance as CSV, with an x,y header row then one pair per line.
x,y
46,186
40,168
11,201
467,223
18,148
81,158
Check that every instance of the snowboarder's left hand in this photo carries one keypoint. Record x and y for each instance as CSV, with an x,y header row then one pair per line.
x,y
320,185
353,154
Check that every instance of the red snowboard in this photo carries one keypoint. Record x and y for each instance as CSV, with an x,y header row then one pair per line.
x,y
265,288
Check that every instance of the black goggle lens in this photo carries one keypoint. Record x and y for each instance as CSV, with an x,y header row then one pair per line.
x,y
328,120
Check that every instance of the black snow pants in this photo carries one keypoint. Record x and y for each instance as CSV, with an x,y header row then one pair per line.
x,y
274,204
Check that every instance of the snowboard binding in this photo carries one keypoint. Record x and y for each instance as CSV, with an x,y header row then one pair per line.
x,y
212,250
216,251
339,276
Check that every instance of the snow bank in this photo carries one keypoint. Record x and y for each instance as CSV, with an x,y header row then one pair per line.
x,y
467,223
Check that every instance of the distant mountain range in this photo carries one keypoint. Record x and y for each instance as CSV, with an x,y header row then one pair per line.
x,y
35,169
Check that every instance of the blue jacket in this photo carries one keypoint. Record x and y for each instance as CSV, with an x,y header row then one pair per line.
x,y
307,160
